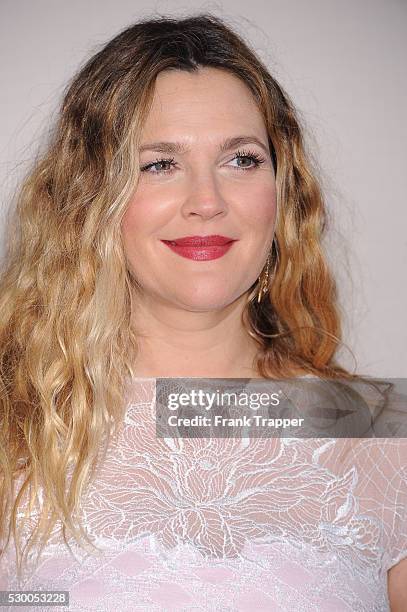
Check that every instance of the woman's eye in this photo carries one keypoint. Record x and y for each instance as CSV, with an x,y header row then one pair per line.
x,y
158,162
251,161
254,159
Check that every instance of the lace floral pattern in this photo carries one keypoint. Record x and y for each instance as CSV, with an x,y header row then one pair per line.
x,y
232,524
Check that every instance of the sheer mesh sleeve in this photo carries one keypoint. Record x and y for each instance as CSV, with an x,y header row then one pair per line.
x,y
381,488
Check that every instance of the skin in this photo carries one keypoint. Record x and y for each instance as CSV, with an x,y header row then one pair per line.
x,y
188,314
397,587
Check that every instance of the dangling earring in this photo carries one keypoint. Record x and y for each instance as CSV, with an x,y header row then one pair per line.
x,y
264,280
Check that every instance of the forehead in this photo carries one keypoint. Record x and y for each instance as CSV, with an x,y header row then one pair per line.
x,y
203,98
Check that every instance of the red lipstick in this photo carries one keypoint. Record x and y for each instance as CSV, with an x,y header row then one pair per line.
x,y
200,248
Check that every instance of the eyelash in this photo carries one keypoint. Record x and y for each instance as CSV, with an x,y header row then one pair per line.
x,y
255,157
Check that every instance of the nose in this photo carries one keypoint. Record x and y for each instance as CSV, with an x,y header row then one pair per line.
x,y
204,198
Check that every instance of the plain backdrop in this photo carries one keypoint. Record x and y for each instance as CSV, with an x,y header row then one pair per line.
x,y
343,65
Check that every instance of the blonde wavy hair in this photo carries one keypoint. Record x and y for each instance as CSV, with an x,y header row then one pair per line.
x,y
67,347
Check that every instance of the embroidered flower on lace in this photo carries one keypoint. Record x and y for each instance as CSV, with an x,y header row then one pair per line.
x,y
217,495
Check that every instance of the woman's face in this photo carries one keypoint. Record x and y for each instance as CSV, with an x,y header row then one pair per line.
x,y
205,189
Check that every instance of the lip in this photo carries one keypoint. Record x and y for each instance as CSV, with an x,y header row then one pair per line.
x,y
201,248
200,241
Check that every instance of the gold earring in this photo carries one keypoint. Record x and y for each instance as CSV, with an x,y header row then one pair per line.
x,y
264,281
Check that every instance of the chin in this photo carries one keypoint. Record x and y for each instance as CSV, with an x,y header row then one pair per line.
x,y
205,302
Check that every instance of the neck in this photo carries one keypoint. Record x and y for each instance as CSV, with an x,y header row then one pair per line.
x,y
176,342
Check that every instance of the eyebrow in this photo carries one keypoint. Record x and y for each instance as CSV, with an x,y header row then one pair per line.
x,y
180,148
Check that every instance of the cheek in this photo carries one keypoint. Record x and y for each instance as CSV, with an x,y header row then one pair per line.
x,y
132,215
136,218
132,227
126,226
148,211
260,208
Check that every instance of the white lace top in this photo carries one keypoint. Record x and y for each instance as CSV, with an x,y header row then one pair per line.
x,y
231,524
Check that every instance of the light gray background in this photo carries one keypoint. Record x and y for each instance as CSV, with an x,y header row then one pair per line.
x,y
343,64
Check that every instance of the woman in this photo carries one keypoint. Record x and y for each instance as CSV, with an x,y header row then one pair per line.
x,y
173,228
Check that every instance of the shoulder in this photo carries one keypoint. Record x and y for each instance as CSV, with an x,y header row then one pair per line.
x,y
397,586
